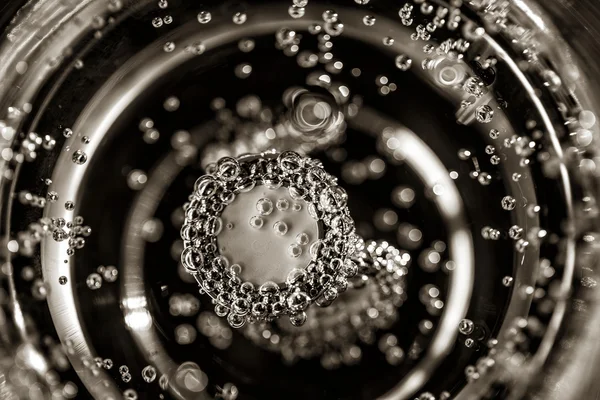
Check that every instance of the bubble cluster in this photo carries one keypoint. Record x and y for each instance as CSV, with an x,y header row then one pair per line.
x,y
73,231
324,199
375,313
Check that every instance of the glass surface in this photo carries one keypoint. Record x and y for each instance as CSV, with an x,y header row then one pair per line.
x,y
299,199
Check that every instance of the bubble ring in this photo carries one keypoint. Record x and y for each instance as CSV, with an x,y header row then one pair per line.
x,y
305,179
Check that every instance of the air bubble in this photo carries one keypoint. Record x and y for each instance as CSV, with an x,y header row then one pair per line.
x,y
94,281
330,16
314,29
264,206
403,62
110,273
333,199
136,179
169,47
508,203
521,245
533,210
298,301
235,269
204,17
163,382
79,157
369,20
466,327
296,12
298,319
484,114
551,80
256,222
449,73
149,373
334,28
59,235
52,196
302,239
290,161
246,45
228,169
157,22
214,226
229,392
171,104
282,205
474,86
243,71
394,355
236,320
294,250
239,18
285,37
280,228
484,179
152,230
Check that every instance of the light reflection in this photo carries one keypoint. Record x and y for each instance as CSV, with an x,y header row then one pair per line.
x,y
138,320
137,316
190,376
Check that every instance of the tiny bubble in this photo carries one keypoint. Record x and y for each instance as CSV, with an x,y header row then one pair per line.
x,y
79,157
256,222
280,228
204,17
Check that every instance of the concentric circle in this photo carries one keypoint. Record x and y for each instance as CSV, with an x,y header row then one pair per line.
x,y
463,133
